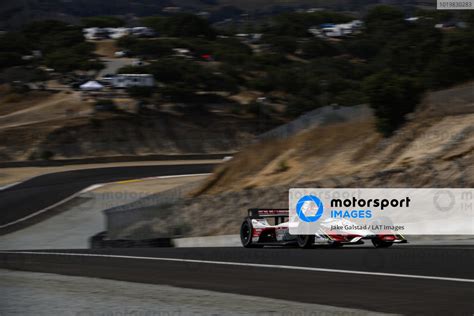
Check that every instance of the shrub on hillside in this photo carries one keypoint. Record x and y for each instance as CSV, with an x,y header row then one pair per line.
x,y
298,106
140,92
102,21
105,105
180,25
392,97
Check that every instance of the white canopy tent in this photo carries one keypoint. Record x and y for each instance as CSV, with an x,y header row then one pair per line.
x,y
91,86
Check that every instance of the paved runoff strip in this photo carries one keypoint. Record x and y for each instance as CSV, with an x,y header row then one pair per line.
x,y
159,177
32,215
88,189
26,293
69,198
255,265
50,188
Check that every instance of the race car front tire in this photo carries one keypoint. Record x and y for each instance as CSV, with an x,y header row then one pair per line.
x,y
246,234
305,241
381,243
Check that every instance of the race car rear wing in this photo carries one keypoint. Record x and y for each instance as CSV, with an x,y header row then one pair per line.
x,y
267,212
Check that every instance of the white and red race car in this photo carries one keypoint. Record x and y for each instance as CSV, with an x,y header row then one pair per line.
x,y
270,227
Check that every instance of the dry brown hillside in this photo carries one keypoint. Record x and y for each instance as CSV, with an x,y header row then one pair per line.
x,y
113,134
434,149
63,124
440,133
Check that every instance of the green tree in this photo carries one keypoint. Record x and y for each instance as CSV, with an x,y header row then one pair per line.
x,y
63,45
282,44
134,70
10,59
297,24
50,35
180,25
157,23
454,63
361,47
411,51
318,48
384,22
147,48
140,92
298,106
15,42
105,105
102,21
384,17
392,97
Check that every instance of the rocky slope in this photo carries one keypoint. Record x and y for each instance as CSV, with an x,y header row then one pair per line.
x,y
108,134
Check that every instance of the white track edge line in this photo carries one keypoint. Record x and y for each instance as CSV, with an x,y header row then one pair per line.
x,y
258,265
8,186
74,195
161,177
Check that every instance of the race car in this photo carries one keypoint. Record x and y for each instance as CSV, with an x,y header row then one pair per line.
x,y
270,227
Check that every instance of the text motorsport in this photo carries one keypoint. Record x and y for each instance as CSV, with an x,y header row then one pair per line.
x,y
381,211
350,205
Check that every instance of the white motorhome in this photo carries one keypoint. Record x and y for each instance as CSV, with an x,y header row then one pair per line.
x,y
333,31
118,32
142,31
336,30
132,80
95,33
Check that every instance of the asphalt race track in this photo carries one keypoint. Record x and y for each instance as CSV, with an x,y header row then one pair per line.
x,y
404,279
40,192
412,280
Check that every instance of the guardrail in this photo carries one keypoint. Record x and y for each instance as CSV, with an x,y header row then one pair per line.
x,y
110,159
319,117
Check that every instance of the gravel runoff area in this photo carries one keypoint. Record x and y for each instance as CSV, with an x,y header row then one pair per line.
x,y
31,293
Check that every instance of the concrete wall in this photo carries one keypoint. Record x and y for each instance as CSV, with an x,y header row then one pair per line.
x,y
119,219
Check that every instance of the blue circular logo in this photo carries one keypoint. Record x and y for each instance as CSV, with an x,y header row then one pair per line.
x,y
306,206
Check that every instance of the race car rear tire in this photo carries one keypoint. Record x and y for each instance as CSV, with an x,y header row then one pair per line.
x,y
381,243
305,241
246,234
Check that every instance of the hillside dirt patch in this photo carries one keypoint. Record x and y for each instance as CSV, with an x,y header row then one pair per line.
x,y
105,48
13,101
35,107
